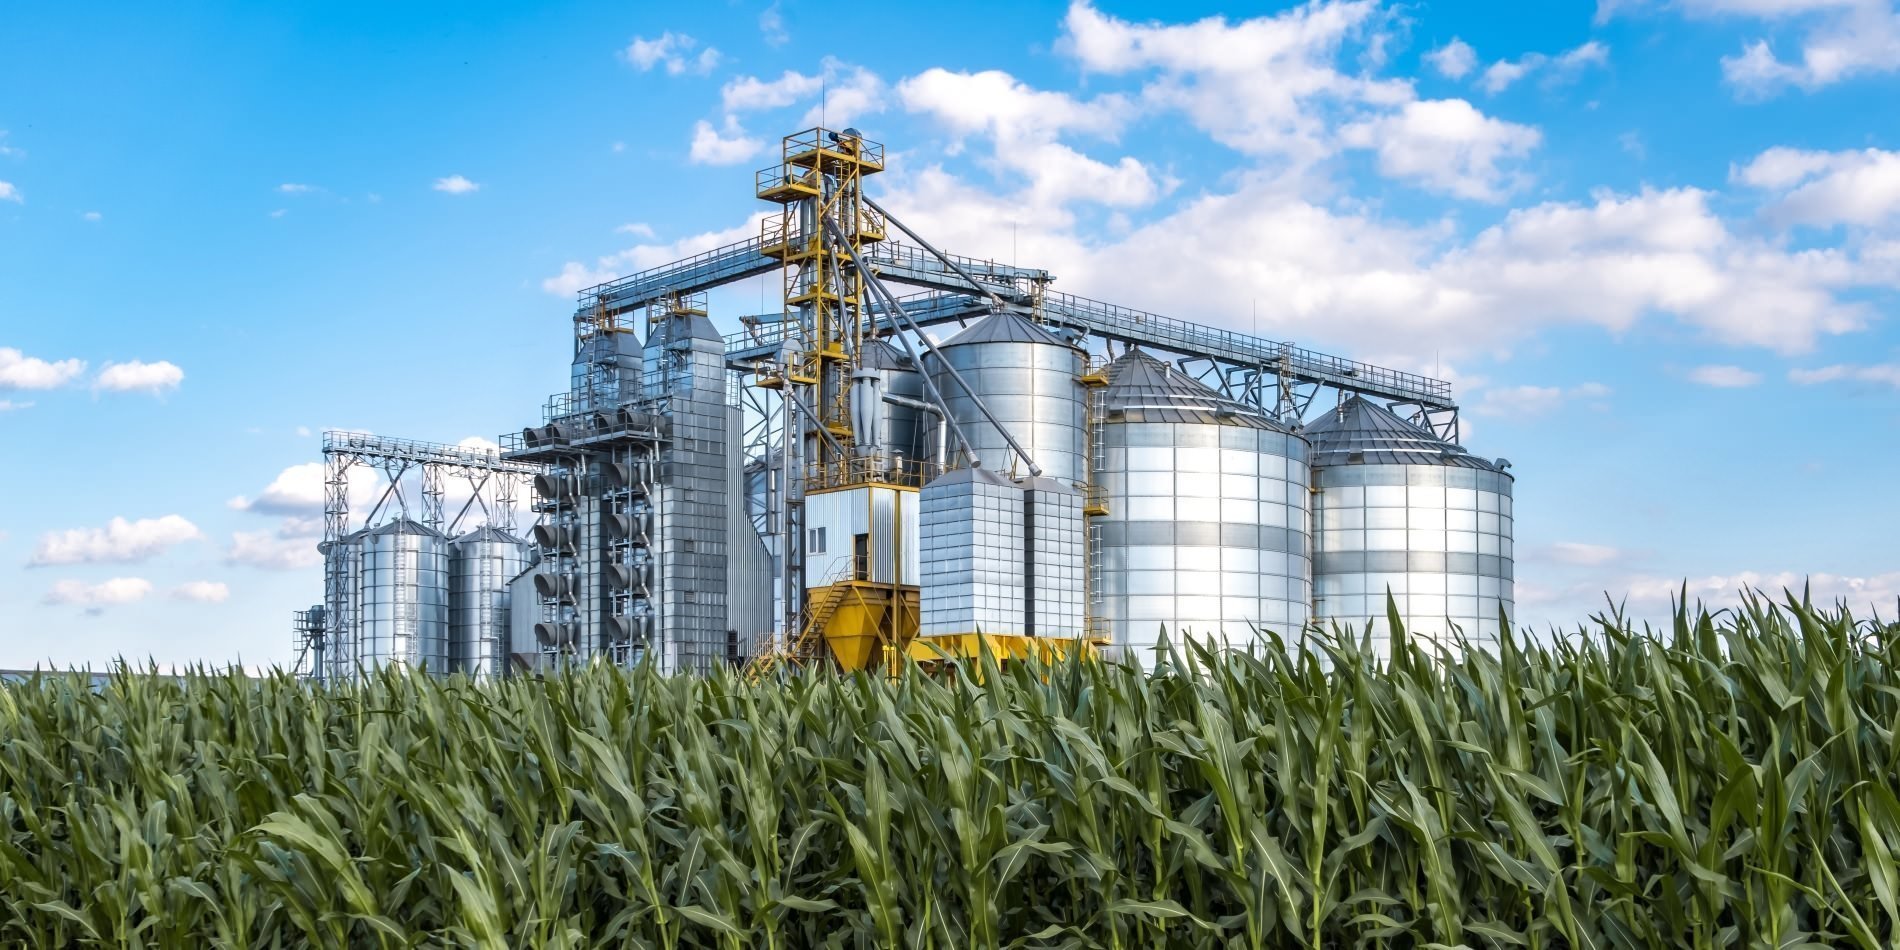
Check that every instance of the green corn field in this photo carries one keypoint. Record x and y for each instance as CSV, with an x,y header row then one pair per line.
x,y
1725,782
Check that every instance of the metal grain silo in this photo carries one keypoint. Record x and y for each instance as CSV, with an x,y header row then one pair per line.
x,y
481,564
405,597
1206,530
1400,509
1030,379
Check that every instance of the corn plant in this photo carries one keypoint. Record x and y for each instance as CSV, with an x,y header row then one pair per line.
x,y
1725,781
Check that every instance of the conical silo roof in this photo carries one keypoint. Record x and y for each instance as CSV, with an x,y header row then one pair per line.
x,y
881,355
489,532
402,526
1004,326
1362,432
1142,388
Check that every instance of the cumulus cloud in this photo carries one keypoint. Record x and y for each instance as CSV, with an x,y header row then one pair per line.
x,y
204,592
1875,591
118,590
1445,145
1856,187
10,193
1530,402
136,376
119,542
1454,60
673,52
729,146
1724,377
772,26
1560,68
264,550
20,371
456,185
298,491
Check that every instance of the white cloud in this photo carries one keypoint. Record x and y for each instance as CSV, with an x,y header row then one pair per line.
x,y
1023,124
1446,145
637,229
90,216
456,185
298,491
1530,402
1724,377
772,26
305,526
204,592
136,376
1259,85
1839,40
280,212
8,151
119,542
293,188
9,193
1454,60
1877,591
1579,554
303,432
1886,374
713,147
118,590
271,553
8,405
20,371
1859,187
750,93
850,94
1560,68
673,52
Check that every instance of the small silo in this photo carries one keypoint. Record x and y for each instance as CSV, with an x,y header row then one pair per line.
x,y
1400,509
405,597
1031,380
1206,531
481,563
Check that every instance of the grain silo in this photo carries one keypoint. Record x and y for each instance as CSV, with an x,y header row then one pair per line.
x,y
1031,381
1206,528
404,600
1399,509
481,563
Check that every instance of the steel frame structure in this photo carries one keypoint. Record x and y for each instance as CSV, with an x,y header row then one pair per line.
x,y
494,485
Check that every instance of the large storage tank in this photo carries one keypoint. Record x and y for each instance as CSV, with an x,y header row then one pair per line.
x,y
1206,530
405,597
1030,379
481,563
1400,509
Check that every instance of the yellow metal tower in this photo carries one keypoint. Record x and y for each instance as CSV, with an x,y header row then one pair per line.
x,y
860,578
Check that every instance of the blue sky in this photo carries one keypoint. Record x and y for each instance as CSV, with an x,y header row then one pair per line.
x,y
1654,243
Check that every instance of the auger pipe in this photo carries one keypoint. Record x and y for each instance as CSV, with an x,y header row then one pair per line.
x,y
897,311
939,255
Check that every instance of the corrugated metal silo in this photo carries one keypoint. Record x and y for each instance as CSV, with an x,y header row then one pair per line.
x,y
1030,379
903,431
1400,508
1206,530
481,563
405,597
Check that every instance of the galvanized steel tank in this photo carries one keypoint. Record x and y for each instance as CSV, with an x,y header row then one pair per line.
x,y
1206,530
1400,508
481,563
405,597
1030,379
